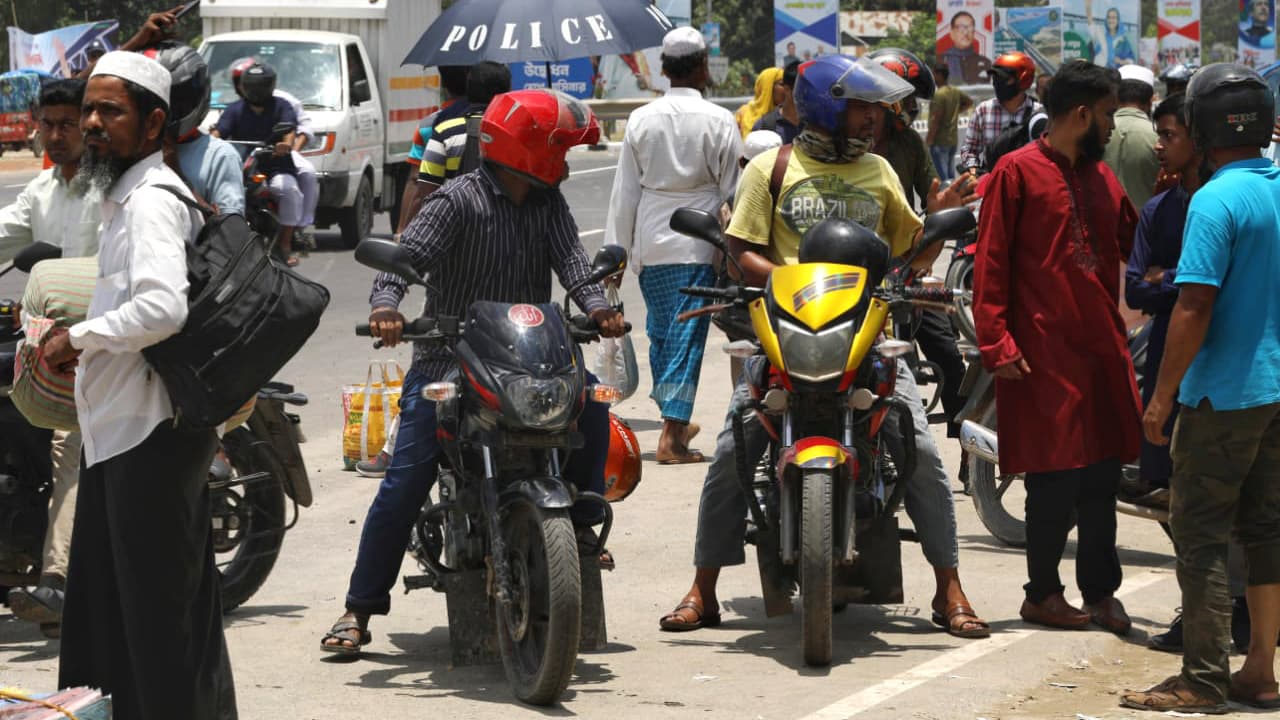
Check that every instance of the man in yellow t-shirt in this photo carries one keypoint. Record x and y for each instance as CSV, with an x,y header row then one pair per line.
x,y
830,173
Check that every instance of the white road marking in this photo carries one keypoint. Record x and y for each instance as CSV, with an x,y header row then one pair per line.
x,y
865,699
589,233
11,187
576,173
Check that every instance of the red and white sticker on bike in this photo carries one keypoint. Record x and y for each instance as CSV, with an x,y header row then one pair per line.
x,y
526,316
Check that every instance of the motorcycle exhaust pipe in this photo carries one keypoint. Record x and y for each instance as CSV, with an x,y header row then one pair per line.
x,y
981,441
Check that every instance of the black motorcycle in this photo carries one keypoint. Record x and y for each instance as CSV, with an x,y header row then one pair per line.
x,y
261,209
500,542
256,482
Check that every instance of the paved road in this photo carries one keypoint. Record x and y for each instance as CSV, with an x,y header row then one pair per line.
x,y
890,662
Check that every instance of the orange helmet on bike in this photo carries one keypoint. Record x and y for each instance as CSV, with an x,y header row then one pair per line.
x,y
529,132
1015,66
622,469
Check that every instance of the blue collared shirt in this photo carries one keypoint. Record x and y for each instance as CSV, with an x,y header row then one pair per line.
x,y
1157,242
1232,242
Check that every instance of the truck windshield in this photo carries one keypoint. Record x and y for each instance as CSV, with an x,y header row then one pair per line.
x,y
311,72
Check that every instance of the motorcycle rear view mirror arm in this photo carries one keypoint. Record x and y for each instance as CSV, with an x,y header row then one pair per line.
x,y
705,227
28,256
388,256
609,261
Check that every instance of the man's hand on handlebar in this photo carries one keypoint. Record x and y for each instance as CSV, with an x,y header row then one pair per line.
x,y
610,322
386,324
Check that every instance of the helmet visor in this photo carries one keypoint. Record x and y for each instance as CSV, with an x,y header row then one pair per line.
x,y
575,123
867,81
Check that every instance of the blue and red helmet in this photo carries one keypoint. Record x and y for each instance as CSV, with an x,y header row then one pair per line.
x,y
825,85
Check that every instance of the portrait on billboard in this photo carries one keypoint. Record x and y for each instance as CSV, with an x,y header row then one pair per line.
x,y
965,43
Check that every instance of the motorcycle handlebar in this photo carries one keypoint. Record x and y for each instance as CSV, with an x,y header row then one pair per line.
x,y
583,329
713,293
933,295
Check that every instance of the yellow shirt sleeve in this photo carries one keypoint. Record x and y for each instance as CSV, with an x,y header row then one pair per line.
x,y
753,205
900,221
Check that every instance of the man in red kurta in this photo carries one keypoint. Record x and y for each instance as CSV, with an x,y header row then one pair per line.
x,y
1055,226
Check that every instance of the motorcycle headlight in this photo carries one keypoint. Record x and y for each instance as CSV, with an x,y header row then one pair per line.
x,y
541,403
815,357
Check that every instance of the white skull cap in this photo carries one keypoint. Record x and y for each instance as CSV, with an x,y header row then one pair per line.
x,y
683,42
138,69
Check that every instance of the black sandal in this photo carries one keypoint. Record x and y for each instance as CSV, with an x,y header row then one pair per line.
x,y
342,631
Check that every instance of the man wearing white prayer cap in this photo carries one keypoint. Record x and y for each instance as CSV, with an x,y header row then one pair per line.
x,y
1131,151
679,150
143,613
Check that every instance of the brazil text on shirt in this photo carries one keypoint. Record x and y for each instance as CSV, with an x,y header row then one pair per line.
x,y
1232,242
443,155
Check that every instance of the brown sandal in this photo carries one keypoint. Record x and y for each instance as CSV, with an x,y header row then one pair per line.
x,y
959,616
1249,695
674,621
1173,694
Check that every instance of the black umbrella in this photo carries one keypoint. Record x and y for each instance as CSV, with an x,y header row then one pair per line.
x,y
508,31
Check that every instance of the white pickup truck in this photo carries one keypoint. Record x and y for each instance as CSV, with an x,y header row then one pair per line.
x,y
341,59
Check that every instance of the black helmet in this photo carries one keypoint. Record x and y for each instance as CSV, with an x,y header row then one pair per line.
x,y
1176,77
1229,105
907,66
258,83
189,88
842,241
96,49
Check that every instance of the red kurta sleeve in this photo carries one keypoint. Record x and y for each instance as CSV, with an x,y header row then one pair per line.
x,y
1127,227
993,268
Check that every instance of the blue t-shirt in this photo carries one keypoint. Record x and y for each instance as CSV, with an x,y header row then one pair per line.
x,y
1232,242
240,122
212,166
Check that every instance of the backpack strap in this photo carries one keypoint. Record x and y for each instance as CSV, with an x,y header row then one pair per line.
x,y
779,173
204,212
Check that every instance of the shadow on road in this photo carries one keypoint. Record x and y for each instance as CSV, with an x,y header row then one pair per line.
x,y
17,635
259,614
422,668
855,634
1129,557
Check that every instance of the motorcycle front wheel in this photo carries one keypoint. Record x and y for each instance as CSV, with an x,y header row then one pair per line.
x,y
538,634
248,519
815,567
960,277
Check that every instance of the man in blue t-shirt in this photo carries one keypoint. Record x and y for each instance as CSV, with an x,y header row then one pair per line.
x,y
255,118
1222,363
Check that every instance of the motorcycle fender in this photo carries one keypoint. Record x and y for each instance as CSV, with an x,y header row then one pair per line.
x,y
980,441
816,453
269,424
546,492
982,390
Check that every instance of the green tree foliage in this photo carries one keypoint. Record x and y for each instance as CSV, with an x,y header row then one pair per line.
x,y
920,39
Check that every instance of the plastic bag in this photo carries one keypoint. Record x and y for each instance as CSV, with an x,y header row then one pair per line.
x,y
368,410
615,360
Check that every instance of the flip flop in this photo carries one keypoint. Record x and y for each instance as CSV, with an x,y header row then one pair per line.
x,y
672,622
688,458
343,632
1249,696
967,617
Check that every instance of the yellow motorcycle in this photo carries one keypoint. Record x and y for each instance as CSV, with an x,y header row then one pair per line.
x,y
823,499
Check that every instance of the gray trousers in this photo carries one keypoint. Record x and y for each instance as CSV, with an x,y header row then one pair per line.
x,y
723,508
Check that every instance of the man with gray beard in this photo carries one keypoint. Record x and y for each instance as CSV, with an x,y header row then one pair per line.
x,y
143,613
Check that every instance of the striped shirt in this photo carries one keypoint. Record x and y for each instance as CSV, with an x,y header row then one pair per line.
x,y
443,156
479,245
990,119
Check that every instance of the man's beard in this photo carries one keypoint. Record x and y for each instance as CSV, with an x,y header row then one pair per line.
x,y
1092,147
99,171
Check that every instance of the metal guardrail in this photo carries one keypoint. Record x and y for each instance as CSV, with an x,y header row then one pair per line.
x,y
620,109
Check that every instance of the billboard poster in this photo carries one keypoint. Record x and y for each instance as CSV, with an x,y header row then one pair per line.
x,y
1105,32
1257,33
804,29
639,74
572,77
1036,31
965,41
58,52
1178,31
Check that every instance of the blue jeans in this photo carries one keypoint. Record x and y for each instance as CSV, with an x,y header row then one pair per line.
x,y
944,158
405,488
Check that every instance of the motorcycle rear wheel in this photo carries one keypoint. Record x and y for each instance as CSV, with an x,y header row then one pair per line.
x,y
815,567
538,635
989,490
960,277
262,504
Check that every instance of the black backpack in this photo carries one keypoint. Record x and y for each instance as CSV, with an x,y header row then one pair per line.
x,y
471,153
247,316
1017,134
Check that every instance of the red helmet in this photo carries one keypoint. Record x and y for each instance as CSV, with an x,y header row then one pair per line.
x,y
529,132
622,469
1017,65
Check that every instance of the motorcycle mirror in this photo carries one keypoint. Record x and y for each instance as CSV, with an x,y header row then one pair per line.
x,y
28,256
609,260
946,225
388,256
700,224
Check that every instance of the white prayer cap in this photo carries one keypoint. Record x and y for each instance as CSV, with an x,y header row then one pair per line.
x,y
1137,72
758,141
683,42
138,69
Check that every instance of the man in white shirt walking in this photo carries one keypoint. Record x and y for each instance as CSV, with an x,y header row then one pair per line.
x,y
143,614
57,209
679,151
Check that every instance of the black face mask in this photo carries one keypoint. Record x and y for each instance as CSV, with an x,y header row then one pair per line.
x,y
1006,90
